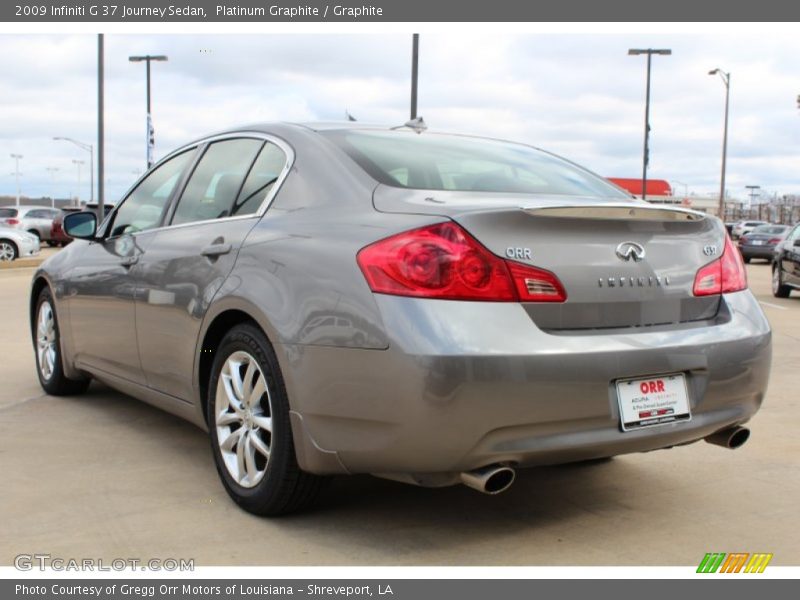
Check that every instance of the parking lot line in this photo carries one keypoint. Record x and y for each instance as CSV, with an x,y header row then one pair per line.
x,y
772,305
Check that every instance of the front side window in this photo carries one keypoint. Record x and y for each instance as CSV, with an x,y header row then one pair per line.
x,y
143,208
215,183
459,163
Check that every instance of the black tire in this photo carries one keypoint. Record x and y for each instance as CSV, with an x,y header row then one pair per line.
x,y
56,384
52,244
284,487
6,244
746,259
779,290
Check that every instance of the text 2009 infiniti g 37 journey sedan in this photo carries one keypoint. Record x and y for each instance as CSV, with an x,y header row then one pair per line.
x,y
425,307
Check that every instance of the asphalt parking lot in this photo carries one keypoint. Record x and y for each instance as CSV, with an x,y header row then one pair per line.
x,y
106,476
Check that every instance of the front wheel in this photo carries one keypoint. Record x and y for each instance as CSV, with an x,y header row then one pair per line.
x,y
8,251
251,436
49,365
779,290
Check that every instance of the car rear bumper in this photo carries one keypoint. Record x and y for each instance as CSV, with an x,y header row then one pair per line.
x,y
757,251
466,384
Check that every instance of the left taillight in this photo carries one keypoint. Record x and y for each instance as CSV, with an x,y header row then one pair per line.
x,y
443,261
724,275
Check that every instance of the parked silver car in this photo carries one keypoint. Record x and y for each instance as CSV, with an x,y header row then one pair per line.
x,y
15,243
36,220
430,308
744,227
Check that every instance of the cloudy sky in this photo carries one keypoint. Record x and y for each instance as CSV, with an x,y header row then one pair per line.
x,y
578,95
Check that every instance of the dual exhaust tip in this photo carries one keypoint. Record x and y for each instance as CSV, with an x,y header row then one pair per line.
x,y
495,479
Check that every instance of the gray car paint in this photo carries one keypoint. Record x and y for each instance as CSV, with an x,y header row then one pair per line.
x,y
411,388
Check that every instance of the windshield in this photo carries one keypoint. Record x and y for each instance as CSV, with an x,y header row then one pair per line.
x,y
458,163
769,229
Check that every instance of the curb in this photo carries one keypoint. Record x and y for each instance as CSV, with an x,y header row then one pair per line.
x,y
21,263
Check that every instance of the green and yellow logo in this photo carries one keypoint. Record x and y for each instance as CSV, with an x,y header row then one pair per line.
x,y
735,562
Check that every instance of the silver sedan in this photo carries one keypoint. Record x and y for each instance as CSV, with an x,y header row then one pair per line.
x,y
430,308
15,243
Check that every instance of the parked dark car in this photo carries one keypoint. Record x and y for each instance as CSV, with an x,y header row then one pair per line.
x,y
761,242
786,265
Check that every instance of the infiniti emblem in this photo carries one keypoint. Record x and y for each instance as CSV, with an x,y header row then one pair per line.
x,y
630,250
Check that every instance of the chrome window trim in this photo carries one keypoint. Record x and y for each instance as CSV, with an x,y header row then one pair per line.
x,y
265,204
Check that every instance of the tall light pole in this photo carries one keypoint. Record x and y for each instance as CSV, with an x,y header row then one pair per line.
x,y
726,79
646,158
78,163
147,59
414,73
16,158
90,149
101,139
52,171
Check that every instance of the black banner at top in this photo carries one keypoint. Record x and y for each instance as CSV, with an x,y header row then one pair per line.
x,y
182,11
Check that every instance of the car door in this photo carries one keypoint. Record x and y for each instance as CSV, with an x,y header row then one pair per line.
x,y
101,287
790,257
189,259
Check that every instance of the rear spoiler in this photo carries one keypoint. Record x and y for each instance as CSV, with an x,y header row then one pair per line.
x,y
618,212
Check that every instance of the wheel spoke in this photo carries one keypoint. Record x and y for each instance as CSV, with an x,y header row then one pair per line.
x,y
229,442
263,422
250,458
260,388
228,418
240,458
247,382
236,378
258,444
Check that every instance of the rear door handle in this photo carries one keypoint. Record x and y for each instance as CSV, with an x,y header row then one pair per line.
x,y
129,261
215,250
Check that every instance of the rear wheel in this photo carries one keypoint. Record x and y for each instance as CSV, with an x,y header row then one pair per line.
x,y
52,243
251,436
36,233
8,251
746,259
779,290
49,365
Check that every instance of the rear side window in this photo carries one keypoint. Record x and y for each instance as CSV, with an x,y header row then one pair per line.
x,y
8,213
259,183
459,163
216,181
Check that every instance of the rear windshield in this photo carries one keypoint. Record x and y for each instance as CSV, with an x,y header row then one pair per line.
x,y
7,213
457,163
771,229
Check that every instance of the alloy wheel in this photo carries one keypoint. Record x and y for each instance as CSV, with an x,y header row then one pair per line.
x,y
46,340
243,419
776,279
7,252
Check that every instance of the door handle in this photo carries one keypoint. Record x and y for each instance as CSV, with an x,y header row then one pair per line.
x,y
215,250
129,261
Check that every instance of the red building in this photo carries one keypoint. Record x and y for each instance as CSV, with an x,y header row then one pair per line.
x,y
655,187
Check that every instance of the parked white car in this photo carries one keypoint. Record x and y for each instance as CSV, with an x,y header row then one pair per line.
x,y
36,220
16,243
744,227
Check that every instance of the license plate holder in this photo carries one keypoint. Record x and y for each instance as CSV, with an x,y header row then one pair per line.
x,y
652,401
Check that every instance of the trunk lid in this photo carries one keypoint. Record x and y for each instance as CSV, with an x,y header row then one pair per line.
x,y
629,264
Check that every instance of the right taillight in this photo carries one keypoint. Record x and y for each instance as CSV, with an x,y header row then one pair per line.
x,y
724,275
12,221
443,261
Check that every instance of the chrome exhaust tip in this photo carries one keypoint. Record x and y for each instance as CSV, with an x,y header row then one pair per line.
x,y
731,438
489,480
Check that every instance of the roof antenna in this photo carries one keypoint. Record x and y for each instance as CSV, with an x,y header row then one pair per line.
x,y
417,125
348,116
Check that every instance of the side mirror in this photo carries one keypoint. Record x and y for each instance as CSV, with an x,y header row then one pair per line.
x,y
81,225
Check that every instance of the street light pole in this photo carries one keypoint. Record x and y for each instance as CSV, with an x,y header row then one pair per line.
x,y
726,79
147,59
414,73
78,163
646,158
90,149
16,158
52,171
